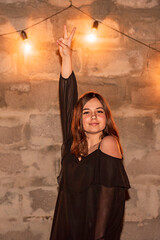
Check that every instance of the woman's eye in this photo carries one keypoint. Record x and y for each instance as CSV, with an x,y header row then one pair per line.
x,y
86,112
100,111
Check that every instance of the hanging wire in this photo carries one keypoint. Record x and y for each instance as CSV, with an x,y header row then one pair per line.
x,y
37,23
78,9
116,30
45,19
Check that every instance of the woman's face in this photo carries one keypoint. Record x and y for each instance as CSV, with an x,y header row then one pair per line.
x,y
93,117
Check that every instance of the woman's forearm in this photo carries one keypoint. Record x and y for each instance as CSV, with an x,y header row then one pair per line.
x,y
66,68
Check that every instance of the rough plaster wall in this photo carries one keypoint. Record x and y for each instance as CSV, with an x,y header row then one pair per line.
x,y
125,72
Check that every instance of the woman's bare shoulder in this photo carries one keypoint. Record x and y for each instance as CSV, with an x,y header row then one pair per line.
x,y
110,146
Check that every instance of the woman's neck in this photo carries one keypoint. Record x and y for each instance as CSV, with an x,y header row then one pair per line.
x,y
93,141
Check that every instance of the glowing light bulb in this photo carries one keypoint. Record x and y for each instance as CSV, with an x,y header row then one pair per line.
x,y
92,37
27,47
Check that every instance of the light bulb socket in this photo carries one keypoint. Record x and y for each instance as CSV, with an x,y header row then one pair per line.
x,y
95,24
24,35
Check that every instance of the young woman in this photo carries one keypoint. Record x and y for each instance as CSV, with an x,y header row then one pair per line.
x,y
92,183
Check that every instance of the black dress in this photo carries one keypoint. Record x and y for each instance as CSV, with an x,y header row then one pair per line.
x,y
91,198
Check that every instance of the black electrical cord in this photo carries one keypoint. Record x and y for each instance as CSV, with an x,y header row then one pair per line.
x,y
78,9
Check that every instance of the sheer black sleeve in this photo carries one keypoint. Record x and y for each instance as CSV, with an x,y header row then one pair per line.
x,y
112,183
104,211
68,96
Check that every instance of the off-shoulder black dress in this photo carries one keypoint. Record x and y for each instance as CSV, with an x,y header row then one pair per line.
x,y
91,198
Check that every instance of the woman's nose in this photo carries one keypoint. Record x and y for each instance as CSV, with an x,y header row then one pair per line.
x,y
93,116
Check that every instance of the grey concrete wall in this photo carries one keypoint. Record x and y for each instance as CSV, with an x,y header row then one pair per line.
x,y
124,71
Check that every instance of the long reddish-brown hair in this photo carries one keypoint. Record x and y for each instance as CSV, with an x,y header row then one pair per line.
x,y
80,146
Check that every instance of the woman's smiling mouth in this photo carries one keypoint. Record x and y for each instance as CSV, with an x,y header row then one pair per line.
x,y
93,124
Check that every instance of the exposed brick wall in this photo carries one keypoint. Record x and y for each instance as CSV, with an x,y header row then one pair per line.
x,y
122,70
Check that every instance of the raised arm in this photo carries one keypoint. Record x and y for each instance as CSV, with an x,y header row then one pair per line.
x,y
64,45
67,88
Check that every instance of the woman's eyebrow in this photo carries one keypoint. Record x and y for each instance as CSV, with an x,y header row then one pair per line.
x,y
99,108
96,108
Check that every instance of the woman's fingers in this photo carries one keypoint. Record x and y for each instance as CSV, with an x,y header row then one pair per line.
x,y
72,34
60,43
65,32
65,42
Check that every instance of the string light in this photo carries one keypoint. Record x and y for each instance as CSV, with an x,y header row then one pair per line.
x,y
92,37
25,45
95,25
24,35
78,9
114,29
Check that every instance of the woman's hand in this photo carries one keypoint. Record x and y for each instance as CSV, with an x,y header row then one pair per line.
x,y
64,44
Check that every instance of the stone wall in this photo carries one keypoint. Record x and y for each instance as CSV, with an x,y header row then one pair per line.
x,y
126,72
